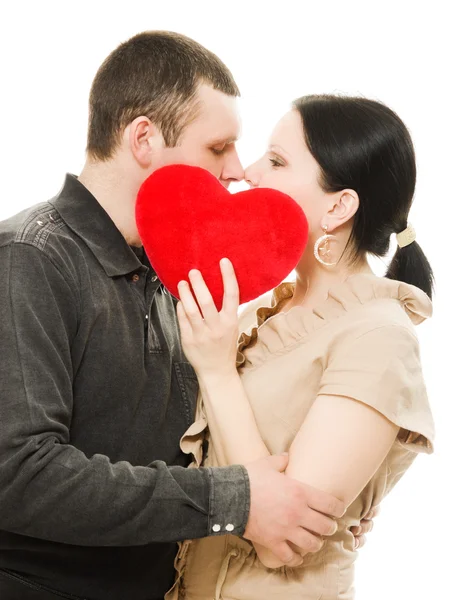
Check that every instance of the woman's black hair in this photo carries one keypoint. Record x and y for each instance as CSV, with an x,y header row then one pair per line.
x,y
363,145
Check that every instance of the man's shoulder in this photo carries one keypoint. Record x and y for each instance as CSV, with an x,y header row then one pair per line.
x,y
30,226
41,227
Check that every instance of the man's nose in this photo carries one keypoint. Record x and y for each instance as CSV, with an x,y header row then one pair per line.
x,y
233,170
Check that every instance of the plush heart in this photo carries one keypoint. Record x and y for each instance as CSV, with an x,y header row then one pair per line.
x,y
188,220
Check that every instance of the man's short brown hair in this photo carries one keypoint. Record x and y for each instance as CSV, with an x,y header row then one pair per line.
x,y
156,74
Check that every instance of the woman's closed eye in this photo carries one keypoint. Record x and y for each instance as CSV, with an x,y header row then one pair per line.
x,y
275,162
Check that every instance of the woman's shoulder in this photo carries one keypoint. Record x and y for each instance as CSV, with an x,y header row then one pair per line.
x,y
370,303
375,313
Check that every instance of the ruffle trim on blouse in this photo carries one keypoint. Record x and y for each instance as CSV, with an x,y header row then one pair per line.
x,y
276,329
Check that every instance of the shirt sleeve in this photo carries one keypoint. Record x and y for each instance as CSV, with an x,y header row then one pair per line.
x,y
48,488
382,369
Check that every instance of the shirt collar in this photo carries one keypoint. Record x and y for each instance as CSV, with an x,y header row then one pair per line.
x,y
87,218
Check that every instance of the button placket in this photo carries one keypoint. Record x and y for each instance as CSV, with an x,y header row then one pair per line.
x,y
152,338
138,281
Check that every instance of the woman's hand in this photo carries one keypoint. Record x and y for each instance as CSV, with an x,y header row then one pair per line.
x,y
366,525
209,343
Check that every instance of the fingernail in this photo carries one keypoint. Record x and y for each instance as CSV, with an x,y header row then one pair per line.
x,y
370,515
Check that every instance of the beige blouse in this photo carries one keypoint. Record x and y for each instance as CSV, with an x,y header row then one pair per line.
x,y
360,343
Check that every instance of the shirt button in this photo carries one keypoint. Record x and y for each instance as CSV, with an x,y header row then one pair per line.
x,y
154,278
136,277
146,317
230,527
216,528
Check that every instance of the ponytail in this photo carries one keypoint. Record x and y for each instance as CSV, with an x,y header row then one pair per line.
x,y
410,265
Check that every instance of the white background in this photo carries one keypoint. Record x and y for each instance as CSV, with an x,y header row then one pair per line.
x,y
394,51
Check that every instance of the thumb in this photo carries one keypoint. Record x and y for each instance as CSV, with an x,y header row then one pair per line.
x,y
280,463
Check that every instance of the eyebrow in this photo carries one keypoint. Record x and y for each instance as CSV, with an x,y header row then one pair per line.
x,y
226,141
274,146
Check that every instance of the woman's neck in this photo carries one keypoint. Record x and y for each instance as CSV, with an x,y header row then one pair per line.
x,y
313,281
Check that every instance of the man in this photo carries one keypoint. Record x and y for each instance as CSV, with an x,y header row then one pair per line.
x,y
95,390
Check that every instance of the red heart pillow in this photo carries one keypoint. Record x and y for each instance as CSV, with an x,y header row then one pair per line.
x,y
188,220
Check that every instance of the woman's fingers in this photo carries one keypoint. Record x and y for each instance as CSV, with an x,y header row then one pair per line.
x,y
231,296
184,323
204,298
190,306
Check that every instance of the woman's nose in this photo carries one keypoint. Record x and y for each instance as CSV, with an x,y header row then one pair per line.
x,y
251,176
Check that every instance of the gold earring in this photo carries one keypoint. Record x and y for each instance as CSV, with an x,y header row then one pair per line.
x,y
321,248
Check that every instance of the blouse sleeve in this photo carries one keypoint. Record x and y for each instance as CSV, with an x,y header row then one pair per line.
x,y
382,369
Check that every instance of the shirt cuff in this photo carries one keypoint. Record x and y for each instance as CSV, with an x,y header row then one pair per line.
x,y
229,500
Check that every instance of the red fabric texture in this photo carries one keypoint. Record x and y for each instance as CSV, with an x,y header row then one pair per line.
x,y
188,220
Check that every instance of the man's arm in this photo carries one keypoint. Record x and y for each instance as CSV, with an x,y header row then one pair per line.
x,y
48,488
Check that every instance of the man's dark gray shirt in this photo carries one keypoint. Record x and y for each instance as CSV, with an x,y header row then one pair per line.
x,y
95,394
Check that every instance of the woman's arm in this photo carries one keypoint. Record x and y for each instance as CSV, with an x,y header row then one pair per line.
x,y
231,420
338,449
340,446
234,430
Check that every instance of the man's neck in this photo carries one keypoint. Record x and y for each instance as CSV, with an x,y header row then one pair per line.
x,y
116,192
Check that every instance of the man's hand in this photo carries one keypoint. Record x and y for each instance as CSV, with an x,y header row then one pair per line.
x,y
366,525
284,510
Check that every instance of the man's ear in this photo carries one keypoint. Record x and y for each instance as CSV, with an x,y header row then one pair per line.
x,y
142,137
343,207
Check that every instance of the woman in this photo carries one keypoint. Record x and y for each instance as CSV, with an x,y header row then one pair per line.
x,y
330,372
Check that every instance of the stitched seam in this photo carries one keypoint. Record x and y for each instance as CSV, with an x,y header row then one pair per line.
x,y
413,335
38,586
27,226
211,499
180,378
41,237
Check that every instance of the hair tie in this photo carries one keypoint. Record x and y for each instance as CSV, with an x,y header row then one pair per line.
x,y
406,237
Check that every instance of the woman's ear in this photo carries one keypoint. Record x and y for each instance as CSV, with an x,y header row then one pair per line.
x,y
343,207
